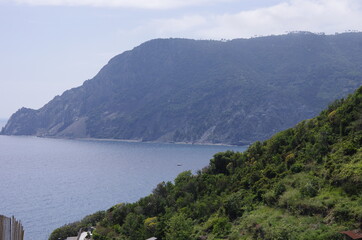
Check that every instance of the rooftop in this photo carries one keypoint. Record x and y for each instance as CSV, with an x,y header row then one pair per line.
x,y
354,234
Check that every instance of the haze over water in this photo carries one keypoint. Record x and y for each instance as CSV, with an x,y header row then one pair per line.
x,y
47,183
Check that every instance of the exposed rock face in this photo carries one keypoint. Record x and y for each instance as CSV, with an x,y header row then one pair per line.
x,y
178,90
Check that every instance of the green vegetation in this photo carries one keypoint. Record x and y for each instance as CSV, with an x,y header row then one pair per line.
x,y
303,183
73,228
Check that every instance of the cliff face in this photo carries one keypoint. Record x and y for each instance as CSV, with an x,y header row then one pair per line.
x,y
203,91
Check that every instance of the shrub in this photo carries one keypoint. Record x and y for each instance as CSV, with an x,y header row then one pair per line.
x,y
296,168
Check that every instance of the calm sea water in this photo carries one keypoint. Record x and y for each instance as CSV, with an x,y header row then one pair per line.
x,y
47,183
2,122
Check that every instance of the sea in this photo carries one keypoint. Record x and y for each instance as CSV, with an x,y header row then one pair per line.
x,y
46,183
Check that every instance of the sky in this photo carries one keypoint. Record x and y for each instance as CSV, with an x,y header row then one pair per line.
x,y
49,46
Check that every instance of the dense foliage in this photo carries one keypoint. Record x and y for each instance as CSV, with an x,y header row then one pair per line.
x,y
303,183
180,90
72,229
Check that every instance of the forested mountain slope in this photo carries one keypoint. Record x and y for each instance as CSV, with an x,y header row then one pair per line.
x,y
179,90
303,183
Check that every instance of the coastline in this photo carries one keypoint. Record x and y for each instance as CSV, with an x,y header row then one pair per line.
x,y
140,141
137,140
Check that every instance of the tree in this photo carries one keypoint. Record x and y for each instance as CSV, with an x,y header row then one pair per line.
x,y
133,226
179,227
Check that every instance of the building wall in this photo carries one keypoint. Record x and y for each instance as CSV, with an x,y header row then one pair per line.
x,y
10,229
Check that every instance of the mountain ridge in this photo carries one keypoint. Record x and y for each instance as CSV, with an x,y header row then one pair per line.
x,y
200,91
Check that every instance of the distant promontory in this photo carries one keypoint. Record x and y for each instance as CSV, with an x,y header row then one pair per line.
x,y
200,91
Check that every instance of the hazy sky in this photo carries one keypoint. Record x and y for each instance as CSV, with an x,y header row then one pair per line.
x,y
48,46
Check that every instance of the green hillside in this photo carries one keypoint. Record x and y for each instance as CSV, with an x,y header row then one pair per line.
x,y
303,183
